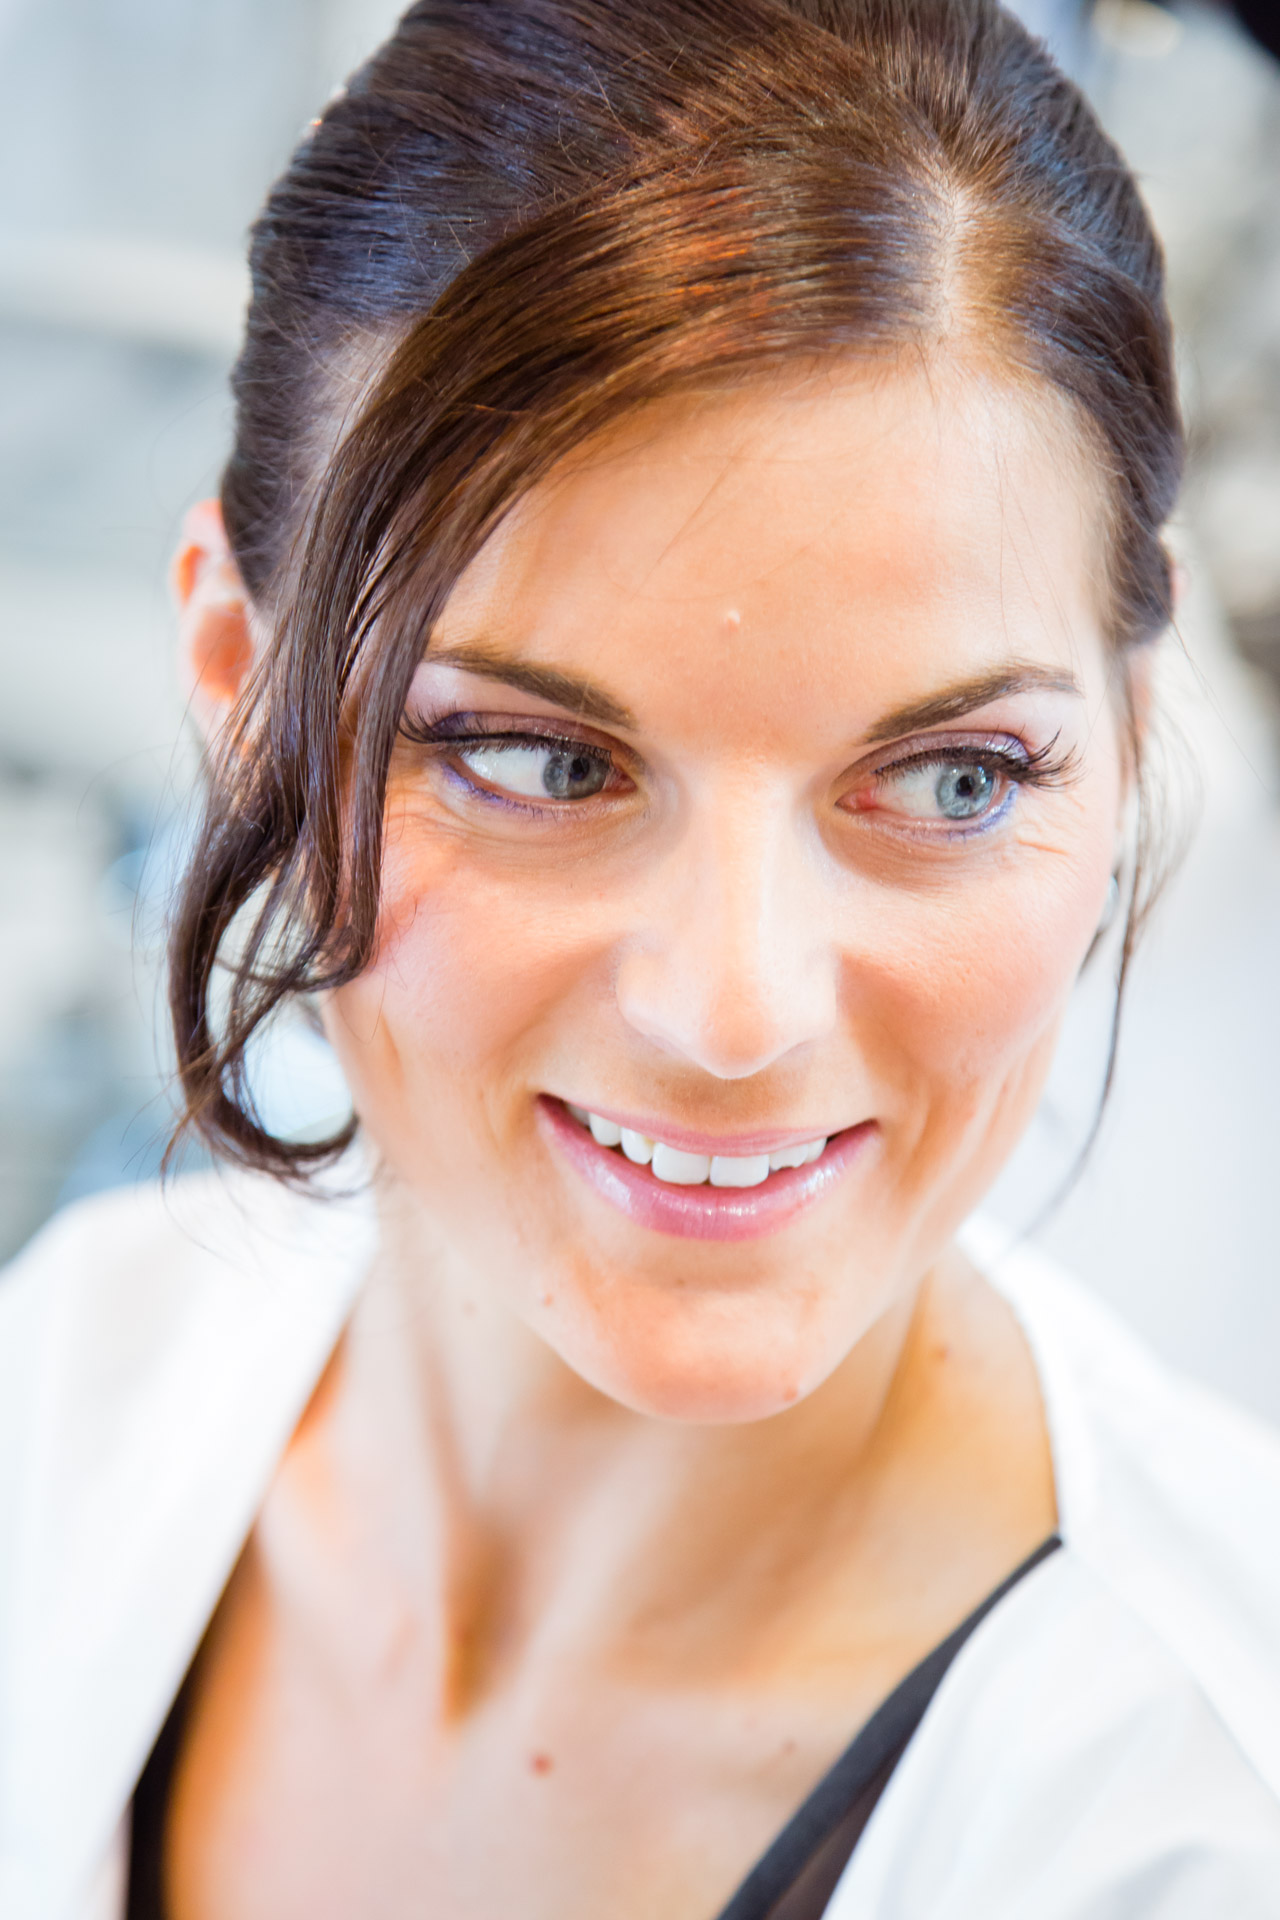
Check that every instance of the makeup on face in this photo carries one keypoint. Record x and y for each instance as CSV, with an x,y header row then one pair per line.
x,y
719,950
945,780
742,1192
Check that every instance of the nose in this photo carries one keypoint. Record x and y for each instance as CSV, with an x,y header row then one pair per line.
x,y
732,966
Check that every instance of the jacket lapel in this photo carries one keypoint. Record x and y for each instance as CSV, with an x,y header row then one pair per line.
x,y
182,1336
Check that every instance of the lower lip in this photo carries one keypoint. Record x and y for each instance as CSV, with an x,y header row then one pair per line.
x,y
703,1212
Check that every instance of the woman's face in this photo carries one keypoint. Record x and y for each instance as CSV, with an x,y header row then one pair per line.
x,y
761,788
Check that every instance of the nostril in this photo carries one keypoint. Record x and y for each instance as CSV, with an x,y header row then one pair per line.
x,y
729,969
730,1034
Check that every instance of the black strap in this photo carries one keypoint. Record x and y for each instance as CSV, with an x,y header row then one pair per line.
x,y
795,1879
145,1898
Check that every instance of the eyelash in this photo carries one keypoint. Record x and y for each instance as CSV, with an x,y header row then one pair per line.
x,y
457,730
1040,767
1043,767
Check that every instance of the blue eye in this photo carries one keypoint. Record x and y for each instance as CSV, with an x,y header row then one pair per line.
x,y
538,769
952,789
964,791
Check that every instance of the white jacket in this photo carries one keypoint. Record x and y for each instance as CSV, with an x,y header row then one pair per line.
x,y
1105,1747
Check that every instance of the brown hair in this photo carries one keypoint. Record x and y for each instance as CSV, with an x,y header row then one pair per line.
x,y
524,217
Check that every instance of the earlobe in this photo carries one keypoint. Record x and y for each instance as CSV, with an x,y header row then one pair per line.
x,y
215,631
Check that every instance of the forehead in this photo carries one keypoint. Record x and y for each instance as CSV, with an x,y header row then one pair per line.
x,y
880,528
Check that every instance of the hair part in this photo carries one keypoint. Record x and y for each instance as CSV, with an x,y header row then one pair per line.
x,y
526,218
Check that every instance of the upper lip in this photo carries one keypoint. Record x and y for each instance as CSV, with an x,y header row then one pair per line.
x,y
727,1145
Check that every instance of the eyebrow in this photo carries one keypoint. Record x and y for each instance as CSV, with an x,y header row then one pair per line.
x,y
590,702
567,690
952,703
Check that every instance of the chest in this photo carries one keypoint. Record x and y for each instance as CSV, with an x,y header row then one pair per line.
x,y
322,1776
389,1717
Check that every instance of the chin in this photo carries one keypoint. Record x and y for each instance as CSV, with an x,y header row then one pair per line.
x,y
701,1358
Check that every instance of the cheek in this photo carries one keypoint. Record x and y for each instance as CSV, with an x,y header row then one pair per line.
x,y
471,964
969,998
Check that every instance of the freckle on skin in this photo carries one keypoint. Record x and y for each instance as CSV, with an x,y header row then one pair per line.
x,y
540,1763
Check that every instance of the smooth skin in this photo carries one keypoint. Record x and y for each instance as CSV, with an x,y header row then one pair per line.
x,y
597,1543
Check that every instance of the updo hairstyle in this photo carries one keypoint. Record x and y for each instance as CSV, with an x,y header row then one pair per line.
x,y
520,220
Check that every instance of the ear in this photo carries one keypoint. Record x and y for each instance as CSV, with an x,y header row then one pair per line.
x,y
215,619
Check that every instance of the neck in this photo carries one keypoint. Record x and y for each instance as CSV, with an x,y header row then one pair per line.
x,y
518,1448
520,1513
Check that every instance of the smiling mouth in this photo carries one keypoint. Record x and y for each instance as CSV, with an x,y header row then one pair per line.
x,y
696,1194
678,1168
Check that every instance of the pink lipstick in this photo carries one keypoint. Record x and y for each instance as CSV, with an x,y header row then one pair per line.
x,y
700,1212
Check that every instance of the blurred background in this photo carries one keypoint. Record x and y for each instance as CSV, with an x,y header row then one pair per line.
x,y
138,139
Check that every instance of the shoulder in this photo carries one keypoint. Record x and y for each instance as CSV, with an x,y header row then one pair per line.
x,y
222,1219
157,1347
141,1316
1168,1495
119,1295
1070,1766
116,1281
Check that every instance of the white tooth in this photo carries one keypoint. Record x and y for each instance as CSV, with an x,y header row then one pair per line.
x,y
748,1172
682,1169
636,1146
604,1132
817,1150
788,1157
580,1114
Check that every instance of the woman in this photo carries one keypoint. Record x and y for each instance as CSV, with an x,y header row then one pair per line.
x,y
674,647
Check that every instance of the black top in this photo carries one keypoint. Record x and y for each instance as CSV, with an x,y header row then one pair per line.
x,y
794,1880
